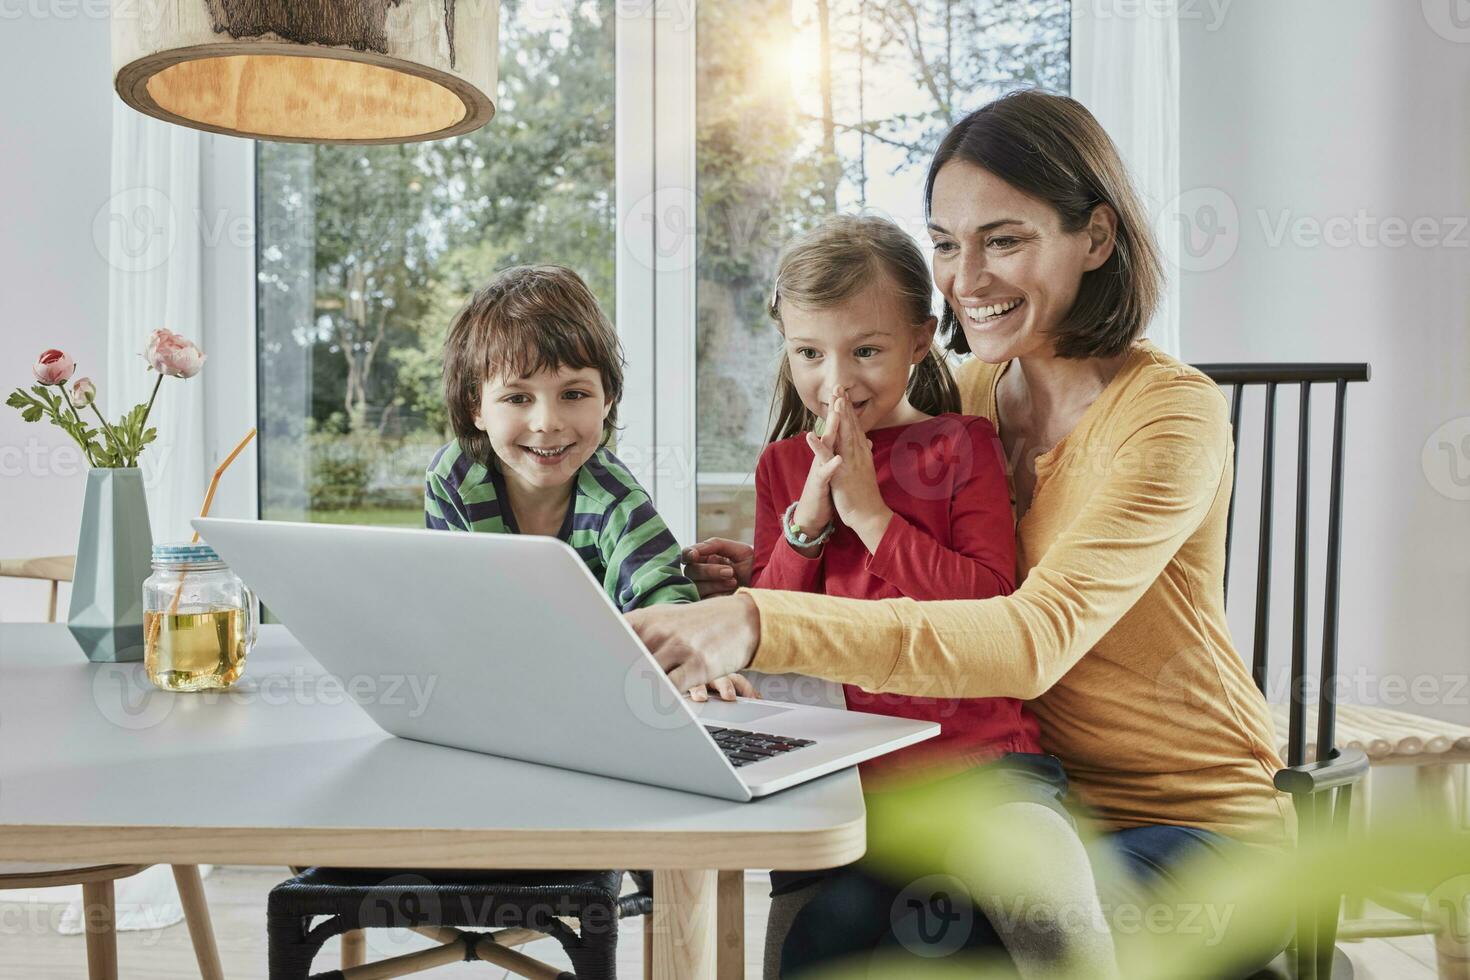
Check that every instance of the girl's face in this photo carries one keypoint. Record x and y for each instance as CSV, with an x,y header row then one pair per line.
x,y
544,427
1003,262
863,346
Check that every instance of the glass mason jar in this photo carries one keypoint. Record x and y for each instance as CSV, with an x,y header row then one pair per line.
x,y
199,620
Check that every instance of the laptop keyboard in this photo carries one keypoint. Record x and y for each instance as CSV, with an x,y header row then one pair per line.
x,y
743,747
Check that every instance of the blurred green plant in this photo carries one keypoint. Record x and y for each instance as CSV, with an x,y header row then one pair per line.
x,y
1216,919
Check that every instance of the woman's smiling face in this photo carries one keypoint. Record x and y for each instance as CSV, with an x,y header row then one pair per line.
x,y
1004,263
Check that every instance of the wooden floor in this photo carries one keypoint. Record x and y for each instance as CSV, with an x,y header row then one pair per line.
x,y
30,949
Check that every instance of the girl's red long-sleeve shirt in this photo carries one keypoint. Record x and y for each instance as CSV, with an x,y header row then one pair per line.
x,y
951,537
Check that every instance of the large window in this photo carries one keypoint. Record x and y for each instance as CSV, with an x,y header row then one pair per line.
x,y
366,252
806,108
788,109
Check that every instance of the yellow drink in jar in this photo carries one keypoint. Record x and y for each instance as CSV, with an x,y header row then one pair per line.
x,y
194,650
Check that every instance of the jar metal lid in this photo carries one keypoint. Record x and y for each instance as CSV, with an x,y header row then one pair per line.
x,y
184,553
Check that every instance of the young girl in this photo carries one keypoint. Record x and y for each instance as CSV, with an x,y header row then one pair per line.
x,y
873,486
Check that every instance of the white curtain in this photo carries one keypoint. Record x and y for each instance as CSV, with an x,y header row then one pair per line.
x,y
154,252
1125,69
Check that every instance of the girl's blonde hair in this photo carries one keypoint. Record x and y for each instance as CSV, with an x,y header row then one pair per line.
x,y
831,264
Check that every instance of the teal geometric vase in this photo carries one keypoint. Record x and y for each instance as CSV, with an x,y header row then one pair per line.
x,y
114,557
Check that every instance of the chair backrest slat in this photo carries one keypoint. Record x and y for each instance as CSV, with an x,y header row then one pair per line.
x,y
1236,397
1263,549
1296,742
1240,378
1327,712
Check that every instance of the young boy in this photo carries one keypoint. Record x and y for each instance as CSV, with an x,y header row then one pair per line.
x,y
532,378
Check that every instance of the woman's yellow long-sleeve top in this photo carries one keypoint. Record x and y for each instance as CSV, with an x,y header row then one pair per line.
x,y
1117,632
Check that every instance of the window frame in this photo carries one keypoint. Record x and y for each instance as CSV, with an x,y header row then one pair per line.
x,y
655,265
228,282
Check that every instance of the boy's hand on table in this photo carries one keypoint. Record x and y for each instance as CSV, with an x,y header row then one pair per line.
x,y
728,688
695,642
718,566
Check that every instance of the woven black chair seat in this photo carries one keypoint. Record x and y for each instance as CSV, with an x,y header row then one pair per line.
x,y
367,898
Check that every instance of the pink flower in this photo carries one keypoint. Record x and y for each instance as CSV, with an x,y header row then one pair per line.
x,y
168,353
53,368
83,392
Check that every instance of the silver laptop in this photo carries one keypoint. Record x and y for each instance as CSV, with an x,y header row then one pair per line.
x,y
516,651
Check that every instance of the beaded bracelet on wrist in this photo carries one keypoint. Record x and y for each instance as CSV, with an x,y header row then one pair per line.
x,y
794,533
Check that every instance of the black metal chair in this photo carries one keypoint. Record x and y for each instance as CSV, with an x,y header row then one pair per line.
x,y
1321,790
474,916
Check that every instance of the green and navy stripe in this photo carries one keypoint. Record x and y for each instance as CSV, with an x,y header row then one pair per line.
x,y
610,523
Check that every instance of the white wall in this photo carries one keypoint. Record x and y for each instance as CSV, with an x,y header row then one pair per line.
x,y
54,176
1322,109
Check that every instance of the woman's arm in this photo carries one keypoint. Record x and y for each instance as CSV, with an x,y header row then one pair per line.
x,y
981,560
1150,497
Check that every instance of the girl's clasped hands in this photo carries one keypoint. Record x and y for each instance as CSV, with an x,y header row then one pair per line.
x,y
843,481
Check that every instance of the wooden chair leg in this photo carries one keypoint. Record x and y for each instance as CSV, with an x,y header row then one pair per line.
x,y
648,947
1462,795
51,610
354,948
196,915
98,919
1354,905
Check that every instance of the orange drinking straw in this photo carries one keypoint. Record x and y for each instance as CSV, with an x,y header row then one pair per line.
x,y
204,512
218,472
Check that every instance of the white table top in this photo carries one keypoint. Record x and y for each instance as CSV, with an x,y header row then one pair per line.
x,y
98,766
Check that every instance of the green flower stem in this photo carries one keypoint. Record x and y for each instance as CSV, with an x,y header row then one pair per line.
x,y
86,447
149,410
137,434
111,433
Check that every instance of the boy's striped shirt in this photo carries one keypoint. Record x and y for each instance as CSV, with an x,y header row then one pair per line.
x,y
610,523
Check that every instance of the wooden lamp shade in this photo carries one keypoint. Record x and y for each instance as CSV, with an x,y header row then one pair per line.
x,y
310,71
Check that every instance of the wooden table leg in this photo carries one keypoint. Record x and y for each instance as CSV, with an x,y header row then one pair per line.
x,y
684,924
99,919
731,917
196,914
1440,803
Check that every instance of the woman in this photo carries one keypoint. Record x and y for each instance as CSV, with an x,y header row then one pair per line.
x,y
1121,474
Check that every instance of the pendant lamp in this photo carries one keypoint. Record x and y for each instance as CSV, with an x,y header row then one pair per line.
x,y
310,71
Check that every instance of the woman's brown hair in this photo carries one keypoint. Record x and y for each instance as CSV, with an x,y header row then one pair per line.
x,y
831,264
1051,147
528,319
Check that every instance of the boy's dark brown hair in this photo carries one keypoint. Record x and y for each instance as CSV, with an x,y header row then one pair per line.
x,y
831,264
529,318
1052,148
